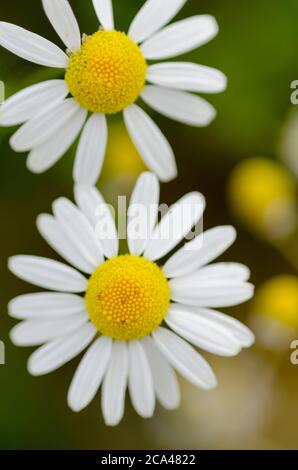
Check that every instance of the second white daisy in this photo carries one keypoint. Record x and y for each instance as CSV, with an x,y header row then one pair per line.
x,y
133,314
105,74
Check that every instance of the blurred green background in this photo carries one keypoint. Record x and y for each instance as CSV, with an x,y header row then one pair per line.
x,y
256,404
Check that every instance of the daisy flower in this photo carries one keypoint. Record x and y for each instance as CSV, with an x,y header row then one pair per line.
x,y
135,317
105,73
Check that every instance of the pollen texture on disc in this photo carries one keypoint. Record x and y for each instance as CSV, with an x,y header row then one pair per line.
x,y
127,297
108,73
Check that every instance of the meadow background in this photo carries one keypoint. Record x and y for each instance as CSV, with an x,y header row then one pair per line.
x,y
255,405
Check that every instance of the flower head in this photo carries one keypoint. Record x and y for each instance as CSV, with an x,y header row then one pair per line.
x,y
131,312
105,73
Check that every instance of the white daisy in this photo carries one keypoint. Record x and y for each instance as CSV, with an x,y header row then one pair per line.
x,y
105,73
133,314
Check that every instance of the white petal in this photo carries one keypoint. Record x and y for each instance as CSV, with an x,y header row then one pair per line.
x,y
55,354
153,16
244,335
180,37
92,204
187,76
43,126
28,102
46,273
164,378
175,225
104,12
76,226
91,150
49,152
63,243
150,143
114,385
200,251
222,271
45,305
191,365
142,213
35,332
202,332
89,374
211,292
140,382
31,47
64,22
179,105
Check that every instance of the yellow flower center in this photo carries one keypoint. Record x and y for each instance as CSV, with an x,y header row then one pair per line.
x,y
108,73
127,297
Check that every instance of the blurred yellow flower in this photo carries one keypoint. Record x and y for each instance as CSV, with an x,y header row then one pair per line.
x,y
263,195
122,155
275,312
278,298
121,168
